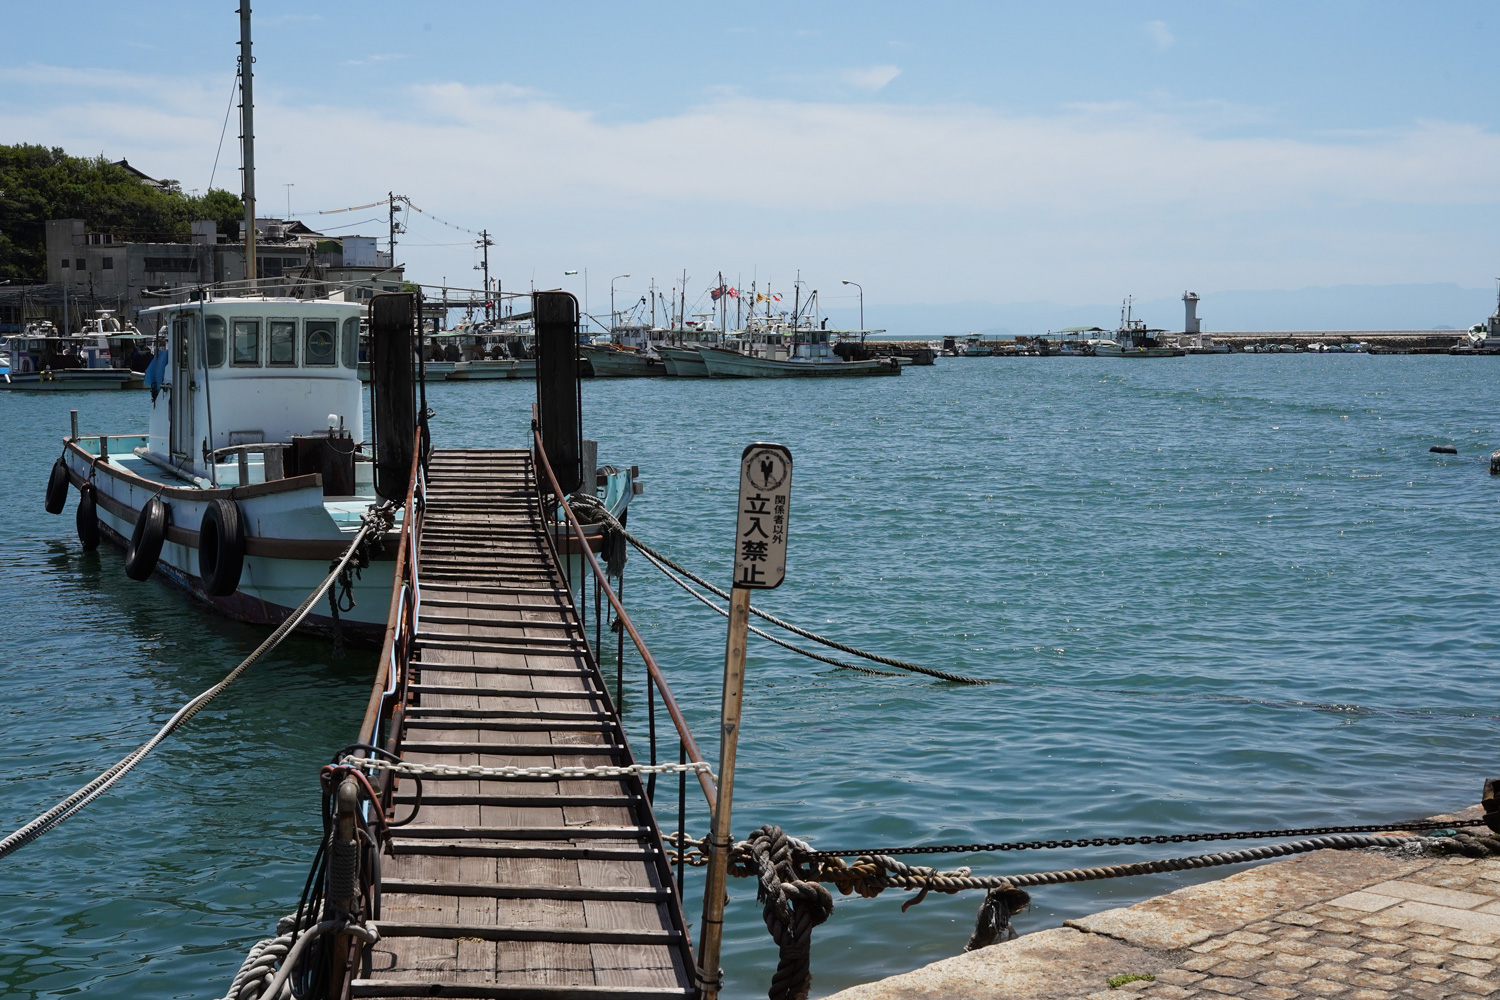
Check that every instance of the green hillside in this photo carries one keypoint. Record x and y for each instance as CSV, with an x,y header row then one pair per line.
x,y
38,183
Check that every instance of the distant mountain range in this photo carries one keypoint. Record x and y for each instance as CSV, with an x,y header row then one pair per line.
x,y
1341,307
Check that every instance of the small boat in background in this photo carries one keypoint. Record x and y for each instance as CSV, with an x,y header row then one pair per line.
x,y
1135,340
42,359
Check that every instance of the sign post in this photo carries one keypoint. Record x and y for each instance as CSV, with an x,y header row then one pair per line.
x,y
759,564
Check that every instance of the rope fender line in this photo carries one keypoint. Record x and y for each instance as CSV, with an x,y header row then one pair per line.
x,y
661,561
377,521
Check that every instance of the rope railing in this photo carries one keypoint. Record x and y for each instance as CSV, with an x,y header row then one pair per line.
x,y
601,580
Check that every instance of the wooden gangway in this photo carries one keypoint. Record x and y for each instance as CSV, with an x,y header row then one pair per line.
x,y
527,886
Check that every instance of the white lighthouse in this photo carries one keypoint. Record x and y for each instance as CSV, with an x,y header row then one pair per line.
x,y
1190,321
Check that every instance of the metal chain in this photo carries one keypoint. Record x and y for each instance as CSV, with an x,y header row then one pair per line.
x,y
697,858
1164,838
479,771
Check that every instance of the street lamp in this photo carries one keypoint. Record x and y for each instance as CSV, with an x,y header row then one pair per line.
x,y
612,281
585,292
861,305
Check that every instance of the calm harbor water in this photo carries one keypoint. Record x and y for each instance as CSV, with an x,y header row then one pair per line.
x,y
1216,593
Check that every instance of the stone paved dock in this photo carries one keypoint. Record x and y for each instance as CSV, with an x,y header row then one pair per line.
x,y
1352,925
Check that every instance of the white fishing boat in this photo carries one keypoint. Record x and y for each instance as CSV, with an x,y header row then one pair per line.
x,y
252,474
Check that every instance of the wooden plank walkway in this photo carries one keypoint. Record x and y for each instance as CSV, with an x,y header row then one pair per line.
x,y
519,887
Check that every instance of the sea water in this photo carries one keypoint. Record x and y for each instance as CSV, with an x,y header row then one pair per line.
x,y
1213,593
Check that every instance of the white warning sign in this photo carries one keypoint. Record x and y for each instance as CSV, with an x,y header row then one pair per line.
x,y
765,495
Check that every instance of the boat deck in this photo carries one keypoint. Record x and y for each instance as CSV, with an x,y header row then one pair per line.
x,y
529,886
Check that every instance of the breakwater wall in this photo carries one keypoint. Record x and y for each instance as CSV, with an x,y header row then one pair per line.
x,y
1379,341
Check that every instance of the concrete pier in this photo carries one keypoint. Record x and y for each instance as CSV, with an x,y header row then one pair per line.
x,y
1350,925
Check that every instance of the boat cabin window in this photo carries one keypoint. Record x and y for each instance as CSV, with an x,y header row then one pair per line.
x,y
351,342
214,326
282,337
182,339
247,343
322,338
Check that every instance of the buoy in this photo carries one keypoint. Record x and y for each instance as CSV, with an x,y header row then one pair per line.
x,y
1443,449
88,517
1495,462
57,487
221,548
145,542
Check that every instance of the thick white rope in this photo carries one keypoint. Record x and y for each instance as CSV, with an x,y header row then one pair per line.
x,y
73,803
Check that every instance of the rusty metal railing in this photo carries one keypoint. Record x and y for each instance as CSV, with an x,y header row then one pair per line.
x,y
389,690
601,581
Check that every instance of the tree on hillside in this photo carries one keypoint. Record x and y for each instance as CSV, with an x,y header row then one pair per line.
x,y
38,183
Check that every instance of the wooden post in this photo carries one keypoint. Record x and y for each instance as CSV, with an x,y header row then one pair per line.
x,y
73,418
710,977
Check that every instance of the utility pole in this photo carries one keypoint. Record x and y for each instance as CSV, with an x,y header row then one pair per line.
x,y
484,243
247,138
392,198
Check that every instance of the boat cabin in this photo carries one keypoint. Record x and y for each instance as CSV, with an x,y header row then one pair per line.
x,y
247,390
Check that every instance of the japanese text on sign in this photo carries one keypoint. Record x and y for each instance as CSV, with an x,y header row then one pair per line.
x,y
760,535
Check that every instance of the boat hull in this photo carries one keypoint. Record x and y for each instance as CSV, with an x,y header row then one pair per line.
x,y
723,363
683,362
73,379
621,364
278,572
1139,352
432,371
502,368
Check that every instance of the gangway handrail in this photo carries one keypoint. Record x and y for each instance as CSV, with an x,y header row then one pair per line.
x,y
400,627
710,789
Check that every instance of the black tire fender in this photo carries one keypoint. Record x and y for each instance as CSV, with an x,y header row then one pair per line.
x,y
57,487
88,516
146,541
221,548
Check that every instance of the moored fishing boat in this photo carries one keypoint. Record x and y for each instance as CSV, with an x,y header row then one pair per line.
x,y
809,356
612,361
252,474
1135,340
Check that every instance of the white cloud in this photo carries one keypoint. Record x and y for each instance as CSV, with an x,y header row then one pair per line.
x,y
376,57
873,79
1160,34
936,199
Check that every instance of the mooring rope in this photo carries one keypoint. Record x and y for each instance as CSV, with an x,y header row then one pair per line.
x,y
378,521
661,562
724,612
794,902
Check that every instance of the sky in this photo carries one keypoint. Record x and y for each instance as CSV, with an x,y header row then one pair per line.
x,y
983,154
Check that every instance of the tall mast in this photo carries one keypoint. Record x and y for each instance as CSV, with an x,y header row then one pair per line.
x,y
247,138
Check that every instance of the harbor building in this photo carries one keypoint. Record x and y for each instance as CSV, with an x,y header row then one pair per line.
x,y
89,270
